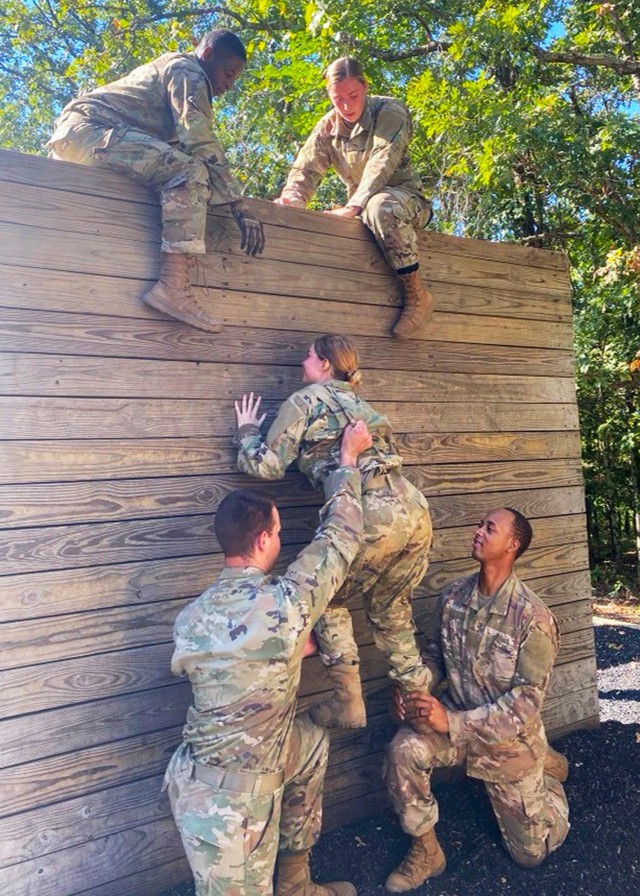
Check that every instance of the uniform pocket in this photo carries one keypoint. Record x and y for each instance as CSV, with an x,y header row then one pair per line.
x,y
498,656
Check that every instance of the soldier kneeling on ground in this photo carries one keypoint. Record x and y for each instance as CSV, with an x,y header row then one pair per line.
x,y
495,642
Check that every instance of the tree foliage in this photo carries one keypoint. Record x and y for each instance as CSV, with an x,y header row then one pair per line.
x,y
526,129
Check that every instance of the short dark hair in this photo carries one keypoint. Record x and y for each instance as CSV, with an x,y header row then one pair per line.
x,y
220,40
522,531
241,516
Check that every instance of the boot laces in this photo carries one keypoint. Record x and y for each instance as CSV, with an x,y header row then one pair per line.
x,y
412,865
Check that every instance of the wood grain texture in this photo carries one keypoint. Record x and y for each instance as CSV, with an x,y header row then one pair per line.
x,y
116,452
129,418
101,336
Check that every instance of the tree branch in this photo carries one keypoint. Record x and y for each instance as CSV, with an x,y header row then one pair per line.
x,y
199,11
590,60
432,46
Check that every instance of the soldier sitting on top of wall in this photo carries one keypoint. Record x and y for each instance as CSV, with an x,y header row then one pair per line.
x,y
246,784
365,139
495,642
155,126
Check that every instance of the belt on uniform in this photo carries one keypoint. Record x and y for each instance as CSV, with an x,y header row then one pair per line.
x,y
240,782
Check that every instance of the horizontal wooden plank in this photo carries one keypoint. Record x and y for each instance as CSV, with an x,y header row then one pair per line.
x,y
68,680
72,680
485,269
23,168
130,418
156,880
468,509
108,337
77,460
82,502
100,861
38,832
476,248
243,308
40,172
55,637
60,211
58,375
449,479
71,775
90,544
29,738
55,592
86,634
463,313
52,250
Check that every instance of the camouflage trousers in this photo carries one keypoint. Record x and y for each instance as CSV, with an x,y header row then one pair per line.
x,y
392,560
181,181
393,216
232,839
532,811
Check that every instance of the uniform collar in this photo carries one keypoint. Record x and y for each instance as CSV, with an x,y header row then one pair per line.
x,y
206,77
341,385
339,129
499,603
241,572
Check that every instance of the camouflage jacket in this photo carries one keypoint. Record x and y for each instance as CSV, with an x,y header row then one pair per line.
x,y
241,641
308,427
168,99
371,155
497,658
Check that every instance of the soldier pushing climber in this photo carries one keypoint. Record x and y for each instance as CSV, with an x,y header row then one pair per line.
x,y
155,126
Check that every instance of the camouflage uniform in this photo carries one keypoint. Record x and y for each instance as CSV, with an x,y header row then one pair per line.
x,y
155,126
397,527
372,159
497,655
241,645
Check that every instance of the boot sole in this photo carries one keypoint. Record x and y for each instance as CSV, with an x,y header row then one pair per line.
x,y
338,725
439,870
214,326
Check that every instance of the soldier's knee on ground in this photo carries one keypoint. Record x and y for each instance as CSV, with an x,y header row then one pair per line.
x,y
526,859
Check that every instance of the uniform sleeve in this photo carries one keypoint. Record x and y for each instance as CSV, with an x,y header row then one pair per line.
x,y
391,138
513,713
268,458
321,568
311,163
191,109
432,647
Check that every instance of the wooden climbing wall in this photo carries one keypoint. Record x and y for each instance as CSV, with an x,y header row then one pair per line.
x,y
116,450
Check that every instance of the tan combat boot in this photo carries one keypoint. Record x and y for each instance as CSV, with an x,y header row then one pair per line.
x,y
294,879
345,708
425,859
418,305
174,296
556,765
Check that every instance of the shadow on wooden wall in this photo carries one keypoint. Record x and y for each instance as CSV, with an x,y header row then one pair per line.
x,y
117,449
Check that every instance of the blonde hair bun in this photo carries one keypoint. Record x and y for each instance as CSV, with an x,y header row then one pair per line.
x,y
343,356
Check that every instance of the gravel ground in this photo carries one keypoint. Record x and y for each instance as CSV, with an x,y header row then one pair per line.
x,y
601,856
